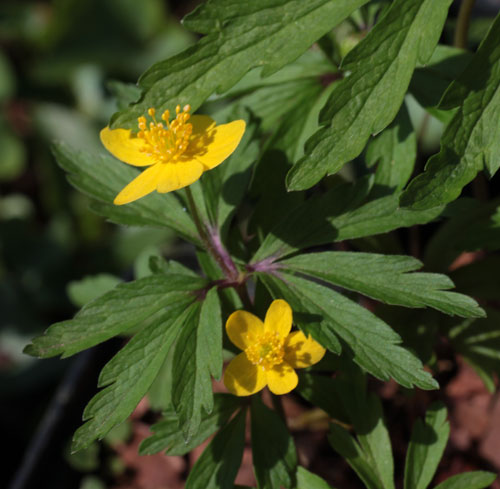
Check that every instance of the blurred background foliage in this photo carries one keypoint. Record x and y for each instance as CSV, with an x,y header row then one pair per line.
x,y
58,64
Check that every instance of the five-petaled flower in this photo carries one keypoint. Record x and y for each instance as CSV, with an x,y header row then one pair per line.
x,y
270,351
177,152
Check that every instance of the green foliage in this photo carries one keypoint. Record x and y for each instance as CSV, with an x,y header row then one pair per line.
x,y
468,480
219,463
238,38
273,449
385,278
427,443
308,480
470,142
367,100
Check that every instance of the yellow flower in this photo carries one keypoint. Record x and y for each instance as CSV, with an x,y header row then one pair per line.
x,y
270,351
177,152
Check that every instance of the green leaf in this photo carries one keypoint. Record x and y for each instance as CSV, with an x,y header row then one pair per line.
x,y
239,37
219,463
428,440
91,287
129,375
168,436
395,151
101,177
329,317
478,341
336,216
273,449
385,278
348,448
224,187
367,100
471,141
468,480
198,353
308,480
125,306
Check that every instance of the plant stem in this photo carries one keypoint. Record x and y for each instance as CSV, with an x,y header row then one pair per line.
x,y
462,28
212,241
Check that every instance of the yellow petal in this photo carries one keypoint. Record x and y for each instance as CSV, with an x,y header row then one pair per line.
x,y
243,378
279,318
144,184
214,145
301,352
243,328
178,175
121,144
281,379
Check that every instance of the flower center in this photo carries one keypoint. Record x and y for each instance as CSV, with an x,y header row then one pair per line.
x,y
166,141
267,351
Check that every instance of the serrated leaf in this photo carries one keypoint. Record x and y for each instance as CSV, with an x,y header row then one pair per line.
x,y
367,100
239,37
468,480
218,464
169,437
428,440
125,306
348,448
471,141
336,216
308,480
101,177
273,449
128,376
198,354
340,323
385,278
394,151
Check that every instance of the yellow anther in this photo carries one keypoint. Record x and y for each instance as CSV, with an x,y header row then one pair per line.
x,y
166,115
151,112
177,109
267,351
186,108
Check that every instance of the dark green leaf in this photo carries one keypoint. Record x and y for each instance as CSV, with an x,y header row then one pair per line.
x,y
129,375
349,449
471,141
468,480
273,449
125,93
125,306
239,37
329,317
428,440
101,177
219,463
367,100
337,216
308,480
169,437
385,278
198,353
395,151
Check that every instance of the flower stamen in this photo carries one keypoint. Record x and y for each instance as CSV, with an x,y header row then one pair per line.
x,y
166,141
267,351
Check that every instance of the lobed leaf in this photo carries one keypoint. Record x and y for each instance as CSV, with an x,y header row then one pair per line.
x,y
379,72
125,306
129,375
169,437
385,278
239,37
198,353
101,177
471,141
